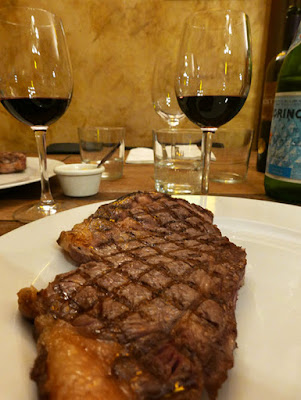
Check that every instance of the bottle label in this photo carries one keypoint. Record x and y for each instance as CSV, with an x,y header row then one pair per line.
x,y
296,40
284,153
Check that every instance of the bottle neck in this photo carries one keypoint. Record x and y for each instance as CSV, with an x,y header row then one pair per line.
x,y
293,18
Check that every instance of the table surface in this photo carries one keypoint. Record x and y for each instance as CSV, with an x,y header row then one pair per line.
x,y
135,177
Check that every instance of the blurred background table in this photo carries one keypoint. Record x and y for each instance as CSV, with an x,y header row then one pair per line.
x,y
135,177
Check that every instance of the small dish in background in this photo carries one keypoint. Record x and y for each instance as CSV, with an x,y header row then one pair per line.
x,y
79,180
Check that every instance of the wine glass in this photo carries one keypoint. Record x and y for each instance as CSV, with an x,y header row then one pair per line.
x,y
163,93
35,83
214,71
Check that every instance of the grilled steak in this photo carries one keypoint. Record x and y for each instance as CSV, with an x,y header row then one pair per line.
x,y
157,279
12,162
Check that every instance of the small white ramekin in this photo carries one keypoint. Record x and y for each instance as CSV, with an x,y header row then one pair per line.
x,y
79,180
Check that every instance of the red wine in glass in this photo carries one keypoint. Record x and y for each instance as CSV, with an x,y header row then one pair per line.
x,y
36,111
213,72
206,111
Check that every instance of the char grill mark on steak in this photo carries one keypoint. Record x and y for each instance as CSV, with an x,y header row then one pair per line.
x,y
135,217
161,280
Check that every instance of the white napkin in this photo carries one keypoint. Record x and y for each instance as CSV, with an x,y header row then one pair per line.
x,y
140,155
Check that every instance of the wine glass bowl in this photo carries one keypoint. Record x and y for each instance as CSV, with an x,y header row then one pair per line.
x,y
214,71
163,94
36,83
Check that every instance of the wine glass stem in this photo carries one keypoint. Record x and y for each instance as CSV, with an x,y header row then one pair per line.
x,y
46,196
207,142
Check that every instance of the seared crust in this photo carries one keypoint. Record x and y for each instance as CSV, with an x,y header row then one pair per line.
x,y
27,301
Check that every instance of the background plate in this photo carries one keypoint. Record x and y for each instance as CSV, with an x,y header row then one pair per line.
x,y
29,175
268,358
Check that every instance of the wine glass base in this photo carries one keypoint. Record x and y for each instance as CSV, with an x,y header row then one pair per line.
x,y
33,212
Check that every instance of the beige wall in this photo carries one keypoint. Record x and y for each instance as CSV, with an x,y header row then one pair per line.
x,y
113,44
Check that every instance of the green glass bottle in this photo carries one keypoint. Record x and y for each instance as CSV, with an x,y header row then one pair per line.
x,y
283,169
292,20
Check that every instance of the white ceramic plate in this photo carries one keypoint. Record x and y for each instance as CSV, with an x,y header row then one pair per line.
x,y
29,175
268,358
